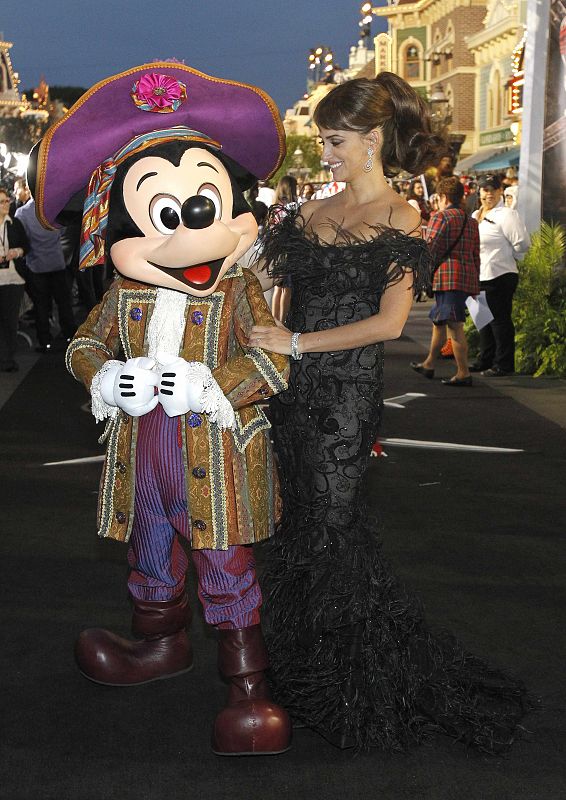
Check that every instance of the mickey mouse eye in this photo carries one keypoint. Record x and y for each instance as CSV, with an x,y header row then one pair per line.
x,y
210,191
165,213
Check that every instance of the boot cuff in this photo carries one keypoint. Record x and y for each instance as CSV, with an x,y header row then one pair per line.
x,y
242,652
160,618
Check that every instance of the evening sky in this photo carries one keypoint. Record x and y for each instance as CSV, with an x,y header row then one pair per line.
x,y
263,43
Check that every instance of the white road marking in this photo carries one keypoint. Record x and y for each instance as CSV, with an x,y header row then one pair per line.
x,y
87,460
471,448
401,399
391,402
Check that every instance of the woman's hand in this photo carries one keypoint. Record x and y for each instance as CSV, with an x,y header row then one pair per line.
x,y
276,340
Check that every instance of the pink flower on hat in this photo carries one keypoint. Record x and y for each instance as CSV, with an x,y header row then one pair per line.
x,y
159,93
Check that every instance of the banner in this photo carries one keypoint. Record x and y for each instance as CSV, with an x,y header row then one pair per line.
x,y
554,137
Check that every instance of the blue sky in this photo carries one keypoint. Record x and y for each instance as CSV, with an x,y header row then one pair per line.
x,y
78,42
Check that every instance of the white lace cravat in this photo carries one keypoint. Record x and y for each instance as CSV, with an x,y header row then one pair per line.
x,y
167,324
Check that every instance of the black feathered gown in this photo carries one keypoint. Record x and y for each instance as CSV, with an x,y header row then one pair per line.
x,y
351,656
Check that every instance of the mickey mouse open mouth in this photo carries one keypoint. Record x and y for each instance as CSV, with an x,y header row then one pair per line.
x,y
198,276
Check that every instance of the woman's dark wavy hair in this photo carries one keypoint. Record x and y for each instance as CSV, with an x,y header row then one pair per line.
x,y
389,103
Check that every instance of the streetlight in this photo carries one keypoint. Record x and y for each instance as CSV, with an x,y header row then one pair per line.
x,y
365,23
320,61
298,168
440,111
441,117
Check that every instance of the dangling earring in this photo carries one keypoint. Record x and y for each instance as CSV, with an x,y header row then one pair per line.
x,y
368,166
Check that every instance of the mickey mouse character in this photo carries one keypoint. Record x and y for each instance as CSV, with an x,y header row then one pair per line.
x,y
165,356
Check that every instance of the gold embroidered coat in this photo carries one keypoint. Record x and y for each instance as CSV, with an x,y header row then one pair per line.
x,y
231,480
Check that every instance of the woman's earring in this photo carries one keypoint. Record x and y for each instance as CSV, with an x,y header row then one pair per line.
x,y
368,166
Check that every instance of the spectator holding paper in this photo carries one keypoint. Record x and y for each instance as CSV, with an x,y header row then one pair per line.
x,y
453,239
503,240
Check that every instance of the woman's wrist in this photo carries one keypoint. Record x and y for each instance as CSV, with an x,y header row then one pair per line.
x,y
296,352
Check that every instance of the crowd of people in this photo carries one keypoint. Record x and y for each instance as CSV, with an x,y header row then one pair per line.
x,y
46,274
40,283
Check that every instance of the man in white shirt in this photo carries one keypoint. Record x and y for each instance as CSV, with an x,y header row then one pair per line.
x,y
503,240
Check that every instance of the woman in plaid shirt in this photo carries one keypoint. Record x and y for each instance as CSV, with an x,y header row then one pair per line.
x,y
454,242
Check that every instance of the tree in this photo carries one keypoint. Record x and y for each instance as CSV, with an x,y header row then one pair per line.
x,y
66,94
310,159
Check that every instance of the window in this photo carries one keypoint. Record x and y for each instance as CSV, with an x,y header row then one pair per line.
x,y
412,63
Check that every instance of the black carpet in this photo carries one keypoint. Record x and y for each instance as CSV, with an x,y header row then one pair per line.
x,y
479,536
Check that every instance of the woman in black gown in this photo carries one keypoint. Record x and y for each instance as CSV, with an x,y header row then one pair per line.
x,y
351,656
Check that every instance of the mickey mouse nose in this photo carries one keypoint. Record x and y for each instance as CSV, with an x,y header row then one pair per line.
x,y
198,212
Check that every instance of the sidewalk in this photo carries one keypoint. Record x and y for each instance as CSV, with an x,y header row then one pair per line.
x,y
545,396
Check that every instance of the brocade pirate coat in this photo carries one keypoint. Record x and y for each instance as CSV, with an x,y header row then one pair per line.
x,y
231,479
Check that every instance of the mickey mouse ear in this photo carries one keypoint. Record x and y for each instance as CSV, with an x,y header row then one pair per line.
x,y
31,171
72,213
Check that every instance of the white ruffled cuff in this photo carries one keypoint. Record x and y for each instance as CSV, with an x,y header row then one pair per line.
x,y
100,408
214,403
217,406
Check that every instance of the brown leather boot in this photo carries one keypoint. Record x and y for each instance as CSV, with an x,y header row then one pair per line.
x,y
163,651
251,724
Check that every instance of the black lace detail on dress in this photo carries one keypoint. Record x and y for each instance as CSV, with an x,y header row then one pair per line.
x,y
351,656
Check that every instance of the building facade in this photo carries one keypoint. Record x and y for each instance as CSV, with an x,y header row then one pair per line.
x,y
498,51
10,100
471,50
427,45
298,120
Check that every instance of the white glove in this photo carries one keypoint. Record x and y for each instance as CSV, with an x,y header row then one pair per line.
x,y
189,386
134,386
182,384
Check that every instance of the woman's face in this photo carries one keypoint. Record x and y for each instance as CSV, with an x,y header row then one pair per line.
x,y
489,197
345,152
418,189
509,200
4,205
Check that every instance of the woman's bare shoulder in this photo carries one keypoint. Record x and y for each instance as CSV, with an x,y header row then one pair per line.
x,y
404,217
310,208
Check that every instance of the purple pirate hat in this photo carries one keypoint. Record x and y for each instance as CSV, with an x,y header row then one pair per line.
x,y
243,119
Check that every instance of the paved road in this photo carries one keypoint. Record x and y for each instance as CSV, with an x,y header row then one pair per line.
x,y
546,396
479,535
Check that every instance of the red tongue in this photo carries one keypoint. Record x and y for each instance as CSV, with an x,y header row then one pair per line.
x,y
200,274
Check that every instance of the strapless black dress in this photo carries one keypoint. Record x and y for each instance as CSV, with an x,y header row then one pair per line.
x,y
351,655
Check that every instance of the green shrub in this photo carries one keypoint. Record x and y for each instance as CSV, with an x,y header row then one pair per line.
x,y
539,308
473,337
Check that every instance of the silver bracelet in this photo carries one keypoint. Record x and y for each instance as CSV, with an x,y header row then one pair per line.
x,y
295,355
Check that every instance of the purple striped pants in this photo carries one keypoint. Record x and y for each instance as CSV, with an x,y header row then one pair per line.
x,y
227,583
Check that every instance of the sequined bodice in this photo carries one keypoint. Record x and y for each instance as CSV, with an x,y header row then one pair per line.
x,y
343,286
